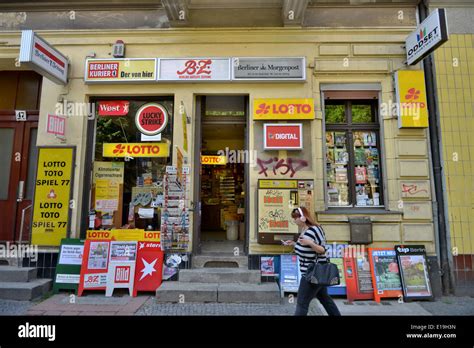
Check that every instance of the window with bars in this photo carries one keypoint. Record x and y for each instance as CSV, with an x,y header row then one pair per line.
x,y
353,163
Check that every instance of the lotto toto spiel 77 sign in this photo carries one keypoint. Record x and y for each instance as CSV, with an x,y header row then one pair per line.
x,y
151,119
52,199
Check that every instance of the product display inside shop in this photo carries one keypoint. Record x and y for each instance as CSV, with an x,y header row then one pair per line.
x,y
366,170
134,185
223,196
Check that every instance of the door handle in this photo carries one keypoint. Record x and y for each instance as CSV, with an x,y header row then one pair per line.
x,y
21,191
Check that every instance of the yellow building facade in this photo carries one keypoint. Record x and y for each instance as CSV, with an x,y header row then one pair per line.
x,y
455,80
341,64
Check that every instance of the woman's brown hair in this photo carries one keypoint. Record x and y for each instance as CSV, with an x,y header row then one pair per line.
x,y
309,220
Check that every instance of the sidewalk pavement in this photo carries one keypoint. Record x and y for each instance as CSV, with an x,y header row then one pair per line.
x,y
96,304
385,307
146,305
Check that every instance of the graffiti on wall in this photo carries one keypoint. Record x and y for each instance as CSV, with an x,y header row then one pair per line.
x,y
419,189
281,166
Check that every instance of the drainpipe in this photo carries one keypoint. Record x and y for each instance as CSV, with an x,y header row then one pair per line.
x,y
447,278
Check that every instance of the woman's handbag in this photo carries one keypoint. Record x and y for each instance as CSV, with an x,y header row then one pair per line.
x,y
323,273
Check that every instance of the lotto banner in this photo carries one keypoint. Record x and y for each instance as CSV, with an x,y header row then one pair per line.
x,y
411,97
130,235
52,198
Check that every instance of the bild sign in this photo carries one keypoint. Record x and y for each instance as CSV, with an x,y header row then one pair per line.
x,y
283,136
428,36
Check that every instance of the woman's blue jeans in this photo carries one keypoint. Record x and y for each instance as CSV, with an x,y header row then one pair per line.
x,y
307,291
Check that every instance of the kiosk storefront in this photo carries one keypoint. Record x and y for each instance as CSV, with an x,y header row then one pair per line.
x,y
280,107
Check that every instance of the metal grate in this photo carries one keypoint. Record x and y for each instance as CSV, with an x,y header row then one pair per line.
x,y
45,264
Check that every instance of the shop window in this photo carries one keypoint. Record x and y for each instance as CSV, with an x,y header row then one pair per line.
x,y
139,194
353,165
336,113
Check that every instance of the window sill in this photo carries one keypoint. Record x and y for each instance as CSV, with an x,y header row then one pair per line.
x,y
358,211
342,214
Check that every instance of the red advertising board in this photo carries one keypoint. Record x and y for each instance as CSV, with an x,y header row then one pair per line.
x,y
358,277
385,273
114,108
149,267
283,136
95,265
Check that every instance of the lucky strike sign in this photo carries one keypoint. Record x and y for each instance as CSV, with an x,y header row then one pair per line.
x,y
279,136
283,109
151,119
114,108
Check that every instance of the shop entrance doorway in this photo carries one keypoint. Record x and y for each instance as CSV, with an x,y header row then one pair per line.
x,y
223,174
20,90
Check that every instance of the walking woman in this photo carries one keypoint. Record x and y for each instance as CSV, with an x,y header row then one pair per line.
x,y
310,248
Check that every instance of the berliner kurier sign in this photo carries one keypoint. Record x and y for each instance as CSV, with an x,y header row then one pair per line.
x,y
428,36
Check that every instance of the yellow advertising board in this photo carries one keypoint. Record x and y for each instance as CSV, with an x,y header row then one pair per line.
x,y
124,235
411,99
274,211
213,160
283,109
135,150
107,178
184,117
120,70
287,184
52,199
179,165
